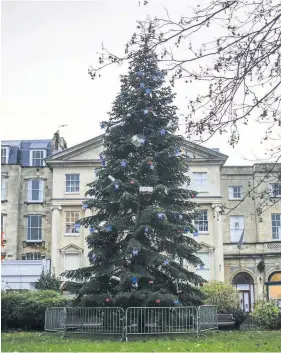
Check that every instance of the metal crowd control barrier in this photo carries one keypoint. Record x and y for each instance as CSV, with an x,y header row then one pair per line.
x,y
135,321
96,320
163,320
55,319
207,318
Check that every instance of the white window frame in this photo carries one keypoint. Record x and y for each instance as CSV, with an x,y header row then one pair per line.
x,y
76,191
29,191
276,229
206,267
70,223
3,188
271,187
3,224
232,192
34,256
206,270
28,228
6,155
199,184
31,158
203,222
237,228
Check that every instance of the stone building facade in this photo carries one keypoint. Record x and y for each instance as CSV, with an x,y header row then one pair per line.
x,y
254,267
75,167
238,247
26,192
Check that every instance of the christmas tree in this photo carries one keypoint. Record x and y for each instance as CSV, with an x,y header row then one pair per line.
x,y
143,222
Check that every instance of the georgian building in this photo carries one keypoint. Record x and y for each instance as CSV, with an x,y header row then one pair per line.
x,y
238,247
254,266
74,168
26,191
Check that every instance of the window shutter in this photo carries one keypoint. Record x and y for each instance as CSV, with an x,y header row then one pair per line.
x,y
41,188
241,222
279,233
232,222
29,190
3,188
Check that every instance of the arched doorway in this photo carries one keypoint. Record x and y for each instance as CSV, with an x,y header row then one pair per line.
x,y
274,287
245,286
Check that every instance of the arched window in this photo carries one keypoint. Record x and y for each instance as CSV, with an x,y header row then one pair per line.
x,y
274,287
243,278
244,283
275,277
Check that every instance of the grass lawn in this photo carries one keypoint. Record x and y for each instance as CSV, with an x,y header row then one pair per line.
x,y
222,341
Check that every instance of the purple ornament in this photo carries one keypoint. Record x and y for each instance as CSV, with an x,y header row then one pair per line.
x,y
142,85
162,132
148,91
166,262
161,215
135,252
123,163
108,228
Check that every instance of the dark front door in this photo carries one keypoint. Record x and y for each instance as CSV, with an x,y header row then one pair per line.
x,y
245,300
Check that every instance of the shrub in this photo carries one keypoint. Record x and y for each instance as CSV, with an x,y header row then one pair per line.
x,y
266,314
26,310
223,295
48,281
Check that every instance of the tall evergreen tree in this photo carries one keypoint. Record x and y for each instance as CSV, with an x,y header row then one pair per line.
x,y
138,235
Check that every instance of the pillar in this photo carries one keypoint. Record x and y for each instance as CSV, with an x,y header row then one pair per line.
x,y
56,225
218,241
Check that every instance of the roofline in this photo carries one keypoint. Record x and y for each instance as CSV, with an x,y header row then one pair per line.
x,y
52,158
218,158
206,149
24,140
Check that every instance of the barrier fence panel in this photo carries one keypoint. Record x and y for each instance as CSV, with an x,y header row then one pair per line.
x,y
86,320
55,319
163,320
207,318
95,320
135,321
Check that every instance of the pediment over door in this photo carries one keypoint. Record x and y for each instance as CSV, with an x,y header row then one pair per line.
x,y
71,248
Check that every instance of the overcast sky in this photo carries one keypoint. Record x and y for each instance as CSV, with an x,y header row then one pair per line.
x,y
47,48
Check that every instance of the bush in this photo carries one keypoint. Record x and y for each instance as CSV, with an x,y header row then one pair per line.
x,y
48,281
266,314
223,295
26,310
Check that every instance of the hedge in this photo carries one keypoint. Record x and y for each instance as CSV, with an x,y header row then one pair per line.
x,y
26,310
